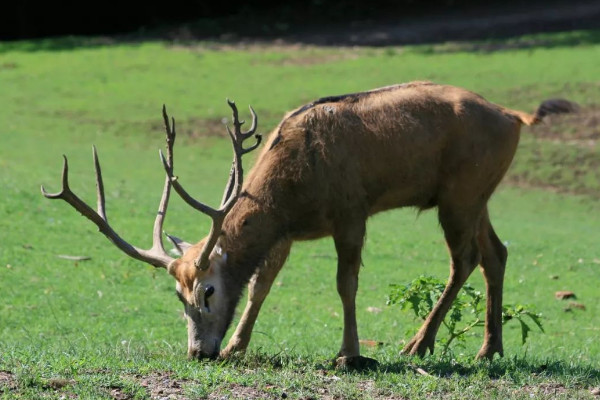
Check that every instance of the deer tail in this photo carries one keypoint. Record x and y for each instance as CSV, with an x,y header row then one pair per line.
x,y
547,107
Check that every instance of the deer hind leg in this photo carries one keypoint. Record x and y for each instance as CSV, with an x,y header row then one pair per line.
x,y
460,232
258,289
348,244
493,264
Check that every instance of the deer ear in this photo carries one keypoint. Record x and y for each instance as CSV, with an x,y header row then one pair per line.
x,y
179,246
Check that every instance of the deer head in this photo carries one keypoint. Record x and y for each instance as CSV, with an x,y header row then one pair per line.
x,y
198,271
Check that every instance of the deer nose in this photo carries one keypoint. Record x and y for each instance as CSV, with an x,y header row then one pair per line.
x,y
194,353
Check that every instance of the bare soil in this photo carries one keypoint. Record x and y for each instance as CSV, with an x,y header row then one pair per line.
x,y
163,386
7,382
571,161
580,129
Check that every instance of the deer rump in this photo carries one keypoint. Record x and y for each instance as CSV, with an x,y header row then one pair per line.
x,y
326,168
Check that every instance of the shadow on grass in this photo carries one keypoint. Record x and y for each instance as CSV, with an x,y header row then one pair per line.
x,y
490,28
432,366
495,369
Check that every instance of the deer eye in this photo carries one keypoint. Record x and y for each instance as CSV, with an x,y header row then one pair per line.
x,y
208,291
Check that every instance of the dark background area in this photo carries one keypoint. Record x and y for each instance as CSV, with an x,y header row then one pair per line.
x,y
27,19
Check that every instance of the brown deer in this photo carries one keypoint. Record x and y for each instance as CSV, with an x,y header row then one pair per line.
x,y
326,168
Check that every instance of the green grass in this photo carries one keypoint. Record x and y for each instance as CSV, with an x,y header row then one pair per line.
x,y
113,327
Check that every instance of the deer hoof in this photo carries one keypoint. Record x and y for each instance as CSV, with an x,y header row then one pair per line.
x,y
487,351
418,346
228,352
355,363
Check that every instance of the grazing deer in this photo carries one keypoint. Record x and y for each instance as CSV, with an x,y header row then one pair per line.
x,y
326,168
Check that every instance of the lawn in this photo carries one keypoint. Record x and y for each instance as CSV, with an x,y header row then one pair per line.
x,y
111,327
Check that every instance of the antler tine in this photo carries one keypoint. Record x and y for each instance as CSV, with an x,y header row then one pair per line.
x,y
99,186
156,256
238,124
157,243
170,137
168,165
203,208
217,216
65,183
229,186
254,122
254,146
234,184
236,178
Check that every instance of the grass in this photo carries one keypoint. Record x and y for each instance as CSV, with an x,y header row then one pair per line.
x,y
111,327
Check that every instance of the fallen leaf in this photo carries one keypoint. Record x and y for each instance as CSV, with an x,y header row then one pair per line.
x,y
374,310
595,391
554,277
564,294
370,343
573,304
419,370
74,258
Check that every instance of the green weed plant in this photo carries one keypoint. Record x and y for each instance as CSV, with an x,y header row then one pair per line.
x,y
466,313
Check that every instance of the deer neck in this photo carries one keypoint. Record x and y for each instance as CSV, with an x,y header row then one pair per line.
x,y
249,235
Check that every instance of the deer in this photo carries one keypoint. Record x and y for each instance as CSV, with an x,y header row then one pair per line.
x,y
325,169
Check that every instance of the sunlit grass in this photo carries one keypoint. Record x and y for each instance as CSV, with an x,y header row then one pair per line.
x,y
101,322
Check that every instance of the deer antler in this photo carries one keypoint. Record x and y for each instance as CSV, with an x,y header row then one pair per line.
x,y
234,184
156,255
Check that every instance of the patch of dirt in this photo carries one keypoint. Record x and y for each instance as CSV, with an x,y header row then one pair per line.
x,y
116,393
546,390
8,65
579,129
236,391
289,53
194,128
571,164
7,381
53,387
58,383
491,45
197,127
306,58
162,386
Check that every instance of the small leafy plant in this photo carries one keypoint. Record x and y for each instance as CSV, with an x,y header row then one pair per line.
x,y
467,310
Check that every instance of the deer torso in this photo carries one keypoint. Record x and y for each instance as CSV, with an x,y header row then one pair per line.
x,y
352,156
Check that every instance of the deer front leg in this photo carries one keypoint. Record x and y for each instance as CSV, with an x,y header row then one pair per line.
x,y
348,244
258,289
